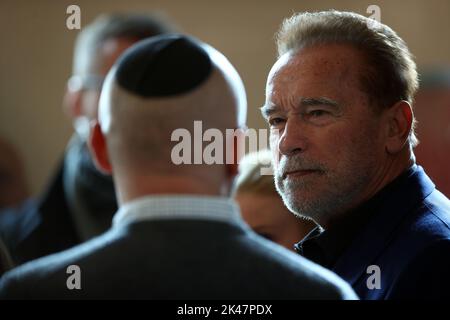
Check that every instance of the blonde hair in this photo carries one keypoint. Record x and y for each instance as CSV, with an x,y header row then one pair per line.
x,y
390,74
251,179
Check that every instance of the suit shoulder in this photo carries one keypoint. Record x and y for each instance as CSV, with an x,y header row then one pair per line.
x,y
437,205
428,223
37,276
297,272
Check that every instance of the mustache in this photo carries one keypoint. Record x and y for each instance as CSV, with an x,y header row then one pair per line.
x,y
297,163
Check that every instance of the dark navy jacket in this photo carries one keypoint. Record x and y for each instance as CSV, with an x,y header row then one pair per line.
x,y
48,225
408,239
39,227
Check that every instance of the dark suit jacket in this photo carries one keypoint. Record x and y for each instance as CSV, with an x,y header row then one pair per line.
x,y
5,259
408,239
46,226
41,227
176,259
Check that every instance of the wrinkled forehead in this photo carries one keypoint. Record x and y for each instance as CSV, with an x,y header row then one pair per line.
x,y
324,65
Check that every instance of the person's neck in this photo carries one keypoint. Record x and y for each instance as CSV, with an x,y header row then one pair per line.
x,y
392,168
130,189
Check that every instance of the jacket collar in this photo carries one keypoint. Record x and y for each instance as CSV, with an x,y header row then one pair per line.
x,y
400,198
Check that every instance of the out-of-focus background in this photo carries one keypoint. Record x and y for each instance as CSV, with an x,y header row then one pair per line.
x,y
36,58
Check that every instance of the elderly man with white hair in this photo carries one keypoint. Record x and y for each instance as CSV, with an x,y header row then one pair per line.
x,y
177,234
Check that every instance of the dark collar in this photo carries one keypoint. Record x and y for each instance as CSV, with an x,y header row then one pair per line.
x,y
326,246
349,246
89,194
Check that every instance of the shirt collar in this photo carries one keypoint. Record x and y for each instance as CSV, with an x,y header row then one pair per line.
x,y
159,207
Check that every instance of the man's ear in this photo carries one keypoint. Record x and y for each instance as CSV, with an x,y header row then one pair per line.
x,y
72,104
98,148
399,123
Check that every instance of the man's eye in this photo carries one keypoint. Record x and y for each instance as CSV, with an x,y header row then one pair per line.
x,y
318,117
317,113
276,121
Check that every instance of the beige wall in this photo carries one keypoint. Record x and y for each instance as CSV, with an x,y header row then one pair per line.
x,y
36,53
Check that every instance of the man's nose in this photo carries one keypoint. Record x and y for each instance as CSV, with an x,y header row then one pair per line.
x,y
292,139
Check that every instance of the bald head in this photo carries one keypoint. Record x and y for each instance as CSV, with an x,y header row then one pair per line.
x,y
158,86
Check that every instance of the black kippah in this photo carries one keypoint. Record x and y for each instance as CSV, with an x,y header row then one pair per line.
x,y
163,66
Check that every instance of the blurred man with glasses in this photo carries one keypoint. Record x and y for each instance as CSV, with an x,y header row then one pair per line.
x,y
79,201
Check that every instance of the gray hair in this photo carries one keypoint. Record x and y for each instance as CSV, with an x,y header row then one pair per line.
x,y
112,26
390,75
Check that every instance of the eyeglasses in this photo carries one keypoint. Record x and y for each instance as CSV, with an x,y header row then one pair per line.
x,y
86,82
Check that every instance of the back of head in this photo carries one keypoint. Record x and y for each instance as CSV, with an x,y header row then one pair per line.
x,y
161,86
390,73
